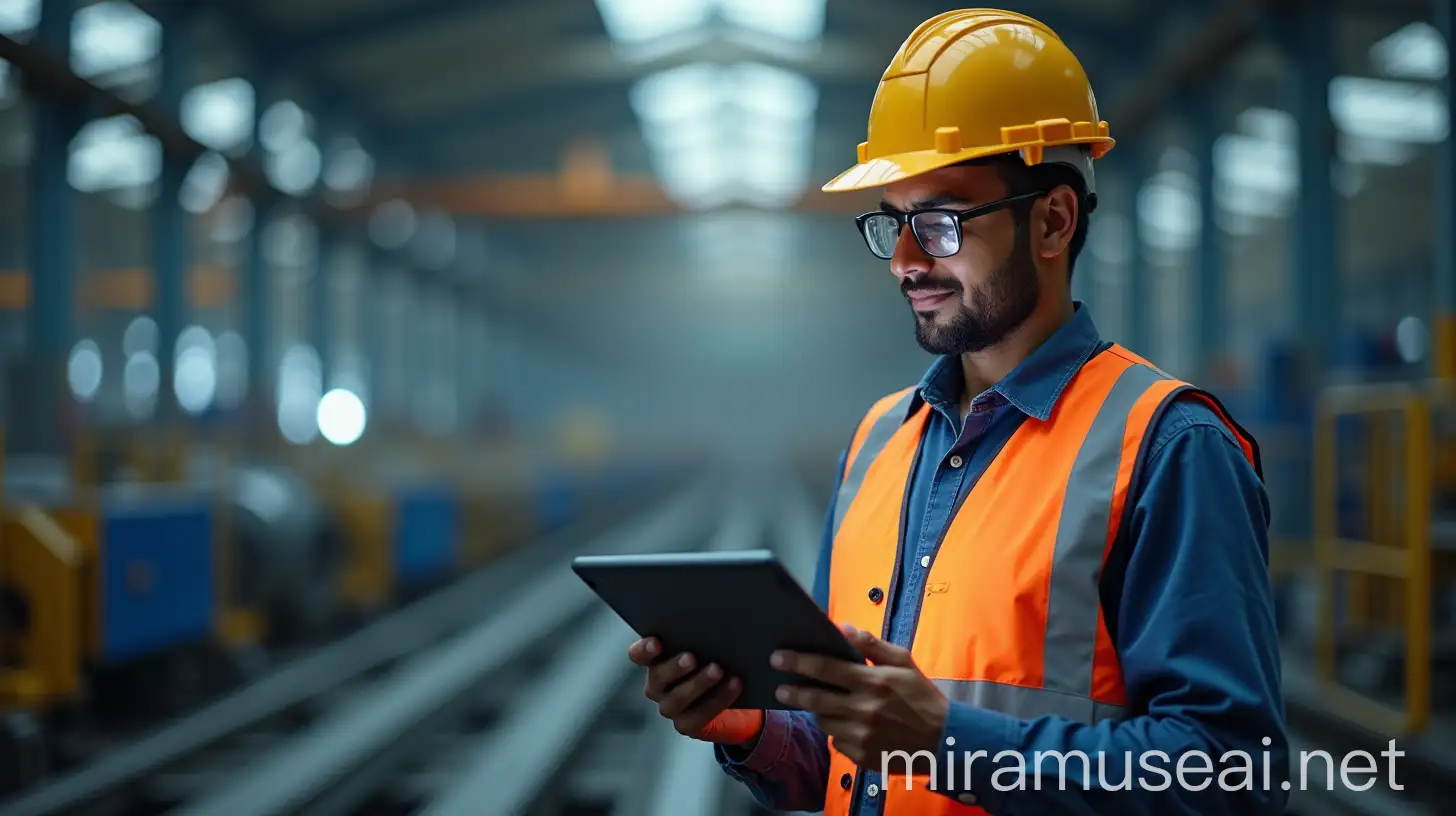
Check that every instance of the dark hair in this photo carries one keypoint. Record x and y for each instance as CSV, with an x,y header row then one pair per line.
x,y
1019,177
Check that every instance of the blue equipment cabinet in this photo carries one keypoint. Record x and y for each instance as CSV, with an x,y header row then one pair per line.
x,y
426,529
156,575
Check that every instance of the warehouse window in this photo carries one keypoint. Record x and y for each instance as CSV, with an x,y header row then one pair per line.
x,y
113,154
1389,110
220,114
348,171
1256,171
194,378
112,36
293,162
1414,52
18,16
204,184
84,370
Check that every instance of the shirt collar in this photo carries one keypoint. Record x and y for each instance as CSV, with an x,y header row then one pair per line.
x,y
1033,387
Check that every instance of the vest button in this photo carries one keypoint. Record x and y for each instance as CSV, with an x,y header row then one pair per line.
x,y
845,781
876,595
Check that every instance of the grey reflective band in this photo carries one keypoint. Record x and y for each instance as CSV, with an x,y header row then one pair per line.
x,y
875,440
1028,703
1074,600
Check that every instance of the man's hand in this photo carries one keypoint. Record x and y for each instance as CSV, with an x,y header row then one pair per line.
x,y
696,700
887,706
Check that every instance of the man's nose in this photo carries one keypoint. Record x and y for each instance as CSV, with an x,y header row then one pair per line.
x,y
909,259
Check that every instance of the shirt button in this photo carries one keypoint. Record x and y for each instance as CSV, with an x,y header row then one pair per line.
x,y
956,461
873,790
845,781
967,798
924,560
876,595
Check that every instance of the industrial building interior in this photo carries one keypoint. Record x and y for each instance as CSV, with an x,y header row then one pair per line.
x,y
333,330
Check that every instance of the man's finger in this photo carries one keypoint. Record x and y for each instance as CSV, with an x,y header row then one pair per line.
x,y
878,651
697,717
664,673
686,694
818,701
833,671
644,651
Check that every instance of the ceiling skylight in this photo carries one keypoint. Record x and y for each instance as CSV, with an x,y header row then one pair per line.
x,y
721,134
648,26
1416,51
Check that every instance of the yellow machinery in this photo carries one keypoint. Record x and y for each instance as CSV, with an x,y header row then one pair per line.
x,y
41,666
1388,573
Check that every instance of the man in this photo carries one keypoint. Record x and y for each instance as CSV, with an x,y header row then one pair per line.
x,y
1052,554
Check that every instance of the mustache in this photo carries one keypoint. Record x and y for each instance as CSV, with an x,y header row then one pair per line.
x,y
907,285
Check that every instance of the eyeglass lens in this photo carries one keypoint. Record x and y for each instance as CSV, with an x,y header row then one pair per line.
x,y
936,233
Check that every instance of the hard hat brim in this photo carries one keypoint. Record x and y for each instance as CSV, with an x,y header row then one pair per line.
x,y
885,170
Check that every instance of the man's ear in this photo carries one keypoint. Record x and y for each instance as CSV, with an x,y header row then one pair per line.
x,y
1058,222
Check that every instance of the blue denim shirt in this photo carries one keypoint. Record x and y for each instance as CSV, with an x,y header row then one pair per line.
x,y
1195,623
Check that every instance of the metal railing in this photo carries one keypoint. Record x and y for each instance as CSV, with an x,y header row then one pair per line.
x,y
1389,570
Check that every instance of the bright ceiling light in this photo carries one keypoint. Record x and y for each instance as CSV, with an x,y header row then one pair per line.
x,y
341,417
1416,51
1411,112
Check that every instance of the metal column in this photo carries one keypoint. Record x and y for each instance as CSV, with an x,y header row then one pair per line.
x,y
169,225
1207,291
1444,360
1315,263
257,285
1138,321
51,250
321,303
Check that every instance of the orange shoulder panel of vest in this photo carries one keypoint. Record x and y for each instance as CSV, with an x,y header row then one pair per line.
x,y
881,406
1246,440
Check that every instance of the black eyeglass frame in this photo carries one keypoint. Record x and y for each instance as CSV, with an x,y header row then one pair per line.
x,y
957,217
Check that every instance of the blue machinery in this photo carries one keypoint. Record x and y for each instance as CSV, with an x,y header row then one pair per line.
x,y
123,573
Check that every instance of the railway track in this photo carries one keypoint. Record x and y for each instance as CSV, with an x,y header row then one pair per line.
x,y
183,763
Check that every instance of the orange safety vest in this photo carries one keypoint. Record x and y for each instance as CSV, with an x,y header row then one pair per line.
x,y
1011,618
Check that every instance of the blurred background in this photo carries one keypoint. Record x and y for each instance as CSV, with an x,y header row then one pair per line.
x,y
332,329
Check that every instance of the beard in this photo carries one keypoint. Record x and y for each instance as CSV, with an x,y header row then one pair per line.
x,y
997,307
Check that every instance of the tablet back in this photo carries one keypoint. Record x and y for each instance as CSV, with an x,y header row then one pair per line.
x,y
729,608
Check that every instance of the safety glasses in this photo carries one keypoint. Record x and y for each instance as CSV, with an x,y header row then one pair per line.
x,y
937,231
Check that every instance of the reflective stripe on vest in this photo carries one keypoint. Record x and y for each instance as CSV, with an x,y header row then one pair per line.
x,y
1010,618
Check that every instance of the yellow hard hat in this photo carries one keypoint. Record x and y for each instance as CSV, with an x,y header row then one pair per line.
x,y
973,83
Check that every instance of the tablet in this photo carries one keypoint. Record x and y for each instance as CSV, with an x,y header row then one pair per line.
x,y
730,608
